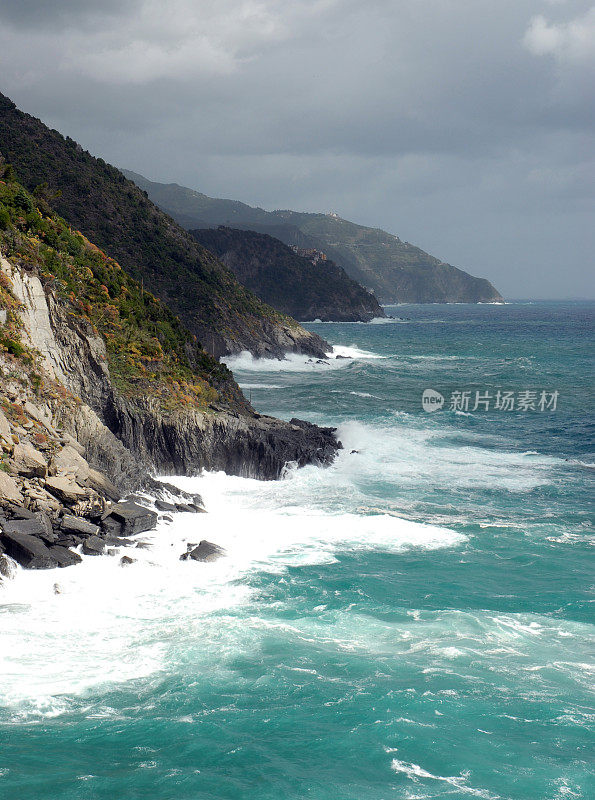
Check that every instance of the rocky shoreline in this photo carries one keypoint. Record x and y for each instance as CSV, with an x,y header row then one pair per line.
x,y
72,446
52,500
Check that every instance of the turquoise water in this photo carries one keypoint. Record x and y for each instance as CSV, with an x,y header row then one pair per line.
x,y
414,622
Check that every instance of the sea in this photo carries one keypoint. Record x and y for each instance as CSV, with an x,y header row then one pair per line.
x,y
415,621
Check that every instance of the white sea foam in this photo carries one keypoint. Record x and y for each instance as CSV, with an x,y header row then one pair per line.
x,y
111,624
352,352
409,453
338,357
365,394
261,386
414,772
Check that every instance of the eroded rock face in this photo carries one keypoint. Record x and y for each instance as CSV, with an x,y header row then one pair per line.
x,y
250,446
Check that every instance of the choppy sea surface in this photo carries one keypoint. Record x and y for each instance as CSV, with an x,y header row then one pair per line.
x,y
415,621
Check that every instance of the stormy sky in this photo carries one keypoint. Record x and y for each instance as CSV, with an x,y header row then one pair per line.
x,y
463,126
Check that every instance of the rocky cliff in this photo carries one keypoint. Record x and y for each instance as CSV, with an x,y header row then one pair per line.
x,y
108,341
102,389
117,216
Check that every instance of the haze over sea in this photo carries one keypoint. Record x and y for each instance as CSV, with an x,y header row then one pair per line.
x,y
413,622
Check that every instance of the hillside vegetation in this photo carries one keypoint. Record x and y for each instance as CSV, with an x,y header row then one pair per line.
x,y
289,282
149,352
118,217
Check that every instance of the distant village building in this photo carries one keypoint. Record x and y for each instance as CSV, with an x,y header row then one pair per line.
x,y
310,253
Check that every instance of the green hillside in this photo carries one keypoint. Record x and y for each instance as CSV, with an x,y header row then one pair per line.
x,y
118,217
149,352
290,282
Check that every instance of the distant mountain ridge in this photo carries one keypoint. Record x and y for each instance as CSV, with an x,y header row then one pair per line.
x,y
288,281
396,271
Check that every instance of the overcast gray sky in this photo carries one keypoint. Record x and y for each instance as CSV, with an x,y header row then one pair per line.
x,y
463,126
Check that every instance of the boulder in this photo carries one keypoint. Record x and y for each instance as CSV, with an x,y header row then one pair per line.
x,y
111,527
206,551
72,442
68,461
93,546
132,518
78,526
9,489
39,526
63,556
125,561
66,489
47,533
19,512
27,550
28,461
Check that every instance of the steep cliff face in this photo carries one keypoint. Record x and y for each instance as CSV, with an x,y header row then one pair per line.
x,y
137,408
304,287
396,271
118,217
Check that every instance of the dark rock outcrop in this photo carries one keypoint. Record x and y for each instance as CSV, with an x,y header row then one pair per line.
x,y
93,546
131,519
27,550
205,551
250,446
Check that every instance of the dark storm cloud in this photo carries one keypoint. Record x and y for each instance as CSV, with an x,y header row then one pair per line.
x,y
462,125
39,14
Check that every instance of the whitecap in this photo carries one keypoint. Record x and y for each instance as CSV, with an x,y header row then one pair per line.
x,y
261,386
414,772
339,356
